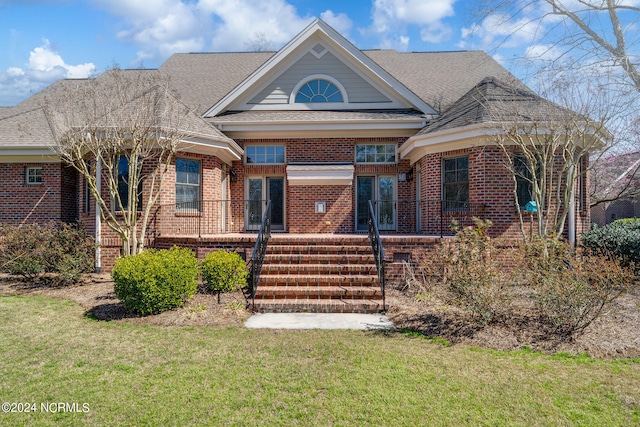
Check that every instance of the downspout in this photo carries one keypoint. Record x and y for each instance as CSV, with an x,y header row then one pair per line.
x,y
98,221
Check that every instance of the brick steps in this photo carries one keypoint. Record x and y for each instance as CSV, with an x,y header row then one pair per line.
x,y
327,275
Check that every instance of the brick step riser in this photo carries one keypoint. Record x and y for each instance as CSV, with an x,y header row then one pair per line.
x,y
332,270
319,259
318,280
317,292
329,249
301,306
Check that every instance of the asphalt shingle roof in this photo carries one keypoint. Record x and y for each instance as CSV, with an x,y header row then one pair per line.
x,y
492,100
444,80
26,128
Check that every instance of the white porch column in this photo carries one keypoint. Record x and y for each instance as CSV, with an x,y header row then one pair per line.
x,y
98,221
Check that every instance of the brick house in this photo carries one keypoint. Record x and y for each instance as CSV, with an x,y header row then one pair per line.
x,y
319,128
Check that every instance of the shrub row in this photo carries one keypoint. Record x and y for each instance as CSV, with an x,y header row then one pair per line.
x,y
158,280
34,250
569,289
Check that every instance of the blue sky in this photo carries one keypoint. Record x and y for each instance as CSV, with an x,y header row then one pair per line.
x,y
45,40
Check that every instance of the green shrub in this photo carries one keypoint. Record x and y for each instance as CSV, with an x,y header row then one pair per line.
x,y
32,250
470,272
571,290
156,280
620,239
224,271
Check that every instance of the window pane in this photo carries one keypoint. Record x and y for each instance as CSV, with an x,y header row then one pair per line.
x,y
450,177
455,179
449,164
318,90
269,154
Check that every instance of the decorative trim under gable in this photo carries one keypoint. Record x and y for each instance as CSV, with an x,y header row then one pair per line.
x,y
320,174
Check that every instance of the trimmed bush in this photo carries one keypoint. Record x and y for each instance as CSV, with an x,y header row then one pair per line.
x,y
32,250
156,280
620,239
224,271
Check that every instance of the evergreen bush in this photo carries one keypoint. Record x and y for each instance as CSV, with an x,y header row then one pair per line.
x,y
156,280
620,240
224,271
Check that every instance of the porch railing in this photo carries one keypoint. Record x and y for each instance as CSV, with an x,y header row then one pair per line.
x,y
202,217
259,251
378,250
428,217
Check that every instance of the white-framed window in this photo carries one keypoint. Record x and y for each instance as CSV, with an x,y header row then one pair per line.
x,y
376,153
264,154
188,179
318,89
33,175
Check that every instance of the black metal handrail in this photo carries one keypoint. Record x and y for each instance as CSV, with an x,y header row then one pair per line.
x,y
259,251
378,250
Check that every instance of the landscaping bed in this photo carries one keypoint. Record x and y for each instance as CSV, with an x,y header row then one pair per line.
x,y
615,335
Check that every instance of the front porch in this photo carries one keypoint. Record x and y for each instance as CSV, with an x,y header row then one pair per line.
x,y
212,219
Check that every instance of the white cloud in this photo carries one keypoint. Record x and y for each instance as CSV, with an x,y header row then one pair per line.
x,y
239,21
543,52
44,67
340,22
501,29
160,28
395,16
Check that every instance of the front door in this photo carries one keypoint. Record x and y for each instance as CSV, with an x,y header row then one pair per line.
x,y
381,190
259,190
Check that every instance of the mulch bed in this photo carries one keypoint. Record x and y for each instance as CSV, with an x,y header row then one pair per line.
x,y
615,335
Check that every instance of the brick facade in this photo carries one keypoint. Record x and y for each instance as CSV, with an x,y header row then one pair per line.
x,y
54,199
61,197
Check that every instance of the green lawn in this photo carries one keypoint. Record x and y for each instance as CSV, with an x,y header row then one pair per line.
x,y
128,375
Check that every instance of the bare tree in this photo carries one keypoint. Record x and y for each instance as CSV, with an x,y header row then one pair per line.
x,y
545,146
596,43
259,43
589,32
121,130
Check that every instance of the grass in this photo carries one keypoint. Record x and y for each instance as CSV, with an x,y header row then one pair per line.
x,y
136,375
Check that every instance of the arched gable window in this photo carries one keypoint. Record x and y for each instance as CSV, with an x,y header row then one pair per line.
x,y
319,89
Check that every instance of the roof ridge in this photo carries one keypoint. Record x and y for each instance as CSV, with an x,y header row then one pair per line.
x,y
39,107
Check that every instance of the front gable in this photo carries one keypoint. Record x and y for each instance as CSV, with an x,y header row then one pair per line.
x,y
319,52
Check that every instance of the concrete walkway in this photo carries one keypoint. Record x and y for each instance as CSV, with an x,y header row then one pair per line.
x,y
318,321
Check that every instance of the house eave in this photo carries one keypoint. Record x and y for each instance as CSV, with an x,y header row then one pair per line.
x,y
29,155
227,151
419,146
314,128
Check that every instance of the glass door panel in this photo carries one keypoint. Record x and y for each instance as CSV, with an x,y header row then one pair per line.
x,y
365,192
275,189
254,203
386,203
